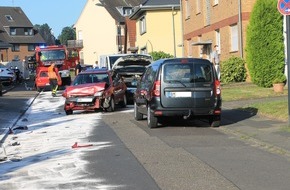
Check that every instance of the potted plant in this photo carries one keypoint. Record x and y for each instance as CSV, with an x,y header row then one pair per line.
x,y
279,82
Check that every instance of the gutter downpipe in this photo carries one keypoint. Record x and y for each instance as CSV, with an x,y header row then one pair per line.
x,y
173,31
241,29
182,29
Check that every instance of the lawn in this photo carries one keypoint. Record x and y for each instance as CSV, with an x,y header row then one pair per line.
x,y
243,91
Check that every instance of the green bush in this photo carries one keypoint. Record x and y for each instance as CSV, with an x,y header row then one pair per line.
x,y
279,78
160,55
233,70
265,43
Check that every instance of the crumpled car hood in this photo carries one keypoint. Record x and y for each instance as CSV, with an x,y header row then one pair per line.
x,y
84,89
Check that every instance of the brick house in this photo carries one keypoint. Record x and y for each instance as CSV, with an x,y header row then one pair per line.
x,y
18,38
215,22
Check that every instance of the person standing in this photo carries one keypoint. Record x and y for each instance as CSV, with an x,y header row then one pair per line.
x,y
96,66
216,61
78,68
54,78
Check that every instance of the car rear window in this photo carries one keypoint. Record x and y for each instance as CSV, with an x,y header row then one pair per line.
x,y
190,72
43,74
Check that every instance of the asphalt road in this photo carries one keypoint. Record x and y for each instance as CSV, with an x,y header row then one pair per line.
x,y
178,155
207,155
14,102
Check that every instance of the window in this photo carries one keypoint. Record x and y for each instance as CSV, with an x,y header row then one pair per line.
x,y
218,40
234,37
12,31
142,25
28,32
16,47
199,47
119,30
143,50
187,9
207,13
198,6
31,47
215,2
127,11
189,48
187,73
80,35
9,17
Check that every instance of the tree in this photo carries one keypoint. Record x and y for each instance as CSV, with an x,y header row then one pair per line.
x,y
46,33
265,47
160,55
67,33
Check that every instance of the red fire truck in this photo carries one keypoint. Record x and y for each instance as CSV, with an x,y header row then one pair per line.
x,y
63,57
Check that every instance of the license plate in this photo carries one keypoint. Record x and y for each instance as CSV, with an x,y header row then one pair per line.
x,y
178,94
84,99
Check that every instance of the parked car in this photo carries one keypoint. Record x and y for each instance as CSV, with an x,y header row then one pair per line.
x,y
179,87
131,68
7,76
42,80
1,87
95,89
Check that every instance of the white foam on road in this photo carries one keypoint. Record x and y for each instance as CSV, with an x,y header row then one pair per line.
x,y
44,158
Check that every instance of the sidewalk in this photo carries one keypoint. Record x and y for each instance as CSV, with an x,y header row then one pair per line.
x,y
269,134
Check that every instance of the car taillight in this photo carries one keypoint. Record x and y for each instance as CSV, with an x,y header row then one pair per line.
x,y
156,88
217,85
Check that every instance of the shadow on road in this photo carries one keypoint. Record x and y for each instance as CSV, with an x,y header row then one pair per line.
x,y
231,116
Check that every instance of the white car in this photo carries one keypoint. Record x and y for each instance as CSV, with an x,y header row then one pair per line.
x,y
7,76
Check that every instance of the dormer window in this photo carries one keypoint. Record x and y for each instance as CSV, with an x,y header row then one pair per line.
x,y
12,31
124,11
28,32
127,11
9,17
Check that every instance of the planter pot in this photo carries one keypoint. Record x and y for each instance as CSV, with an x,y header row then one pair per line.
x,y
278,87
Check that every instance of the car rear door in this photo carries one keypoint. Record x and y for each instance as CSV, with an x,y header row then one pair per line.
x,y
187,84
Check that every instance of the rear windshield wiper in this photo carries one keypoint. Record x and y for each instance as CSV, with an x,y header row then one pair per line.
x,y
176,81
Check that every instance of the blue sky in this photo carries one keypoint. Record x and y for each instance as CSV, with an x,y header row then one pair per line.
x,y
56,13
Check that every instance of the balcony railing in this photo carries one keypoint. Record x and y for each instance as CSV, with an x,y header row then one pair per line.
x,y
75,44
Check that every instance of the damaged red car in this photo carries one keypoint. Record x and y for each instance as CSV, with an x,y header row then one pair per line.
x,y
93,90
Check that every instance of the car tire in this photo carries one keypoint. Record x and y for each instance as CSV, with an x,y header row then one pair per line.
x,y
124,102
68,112
214,121
152,121
137,115
112,105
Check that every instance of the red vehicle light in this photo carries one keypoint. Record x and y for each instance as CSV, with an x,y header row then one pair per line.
x,y
217,112
156,88
217,85
159,113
